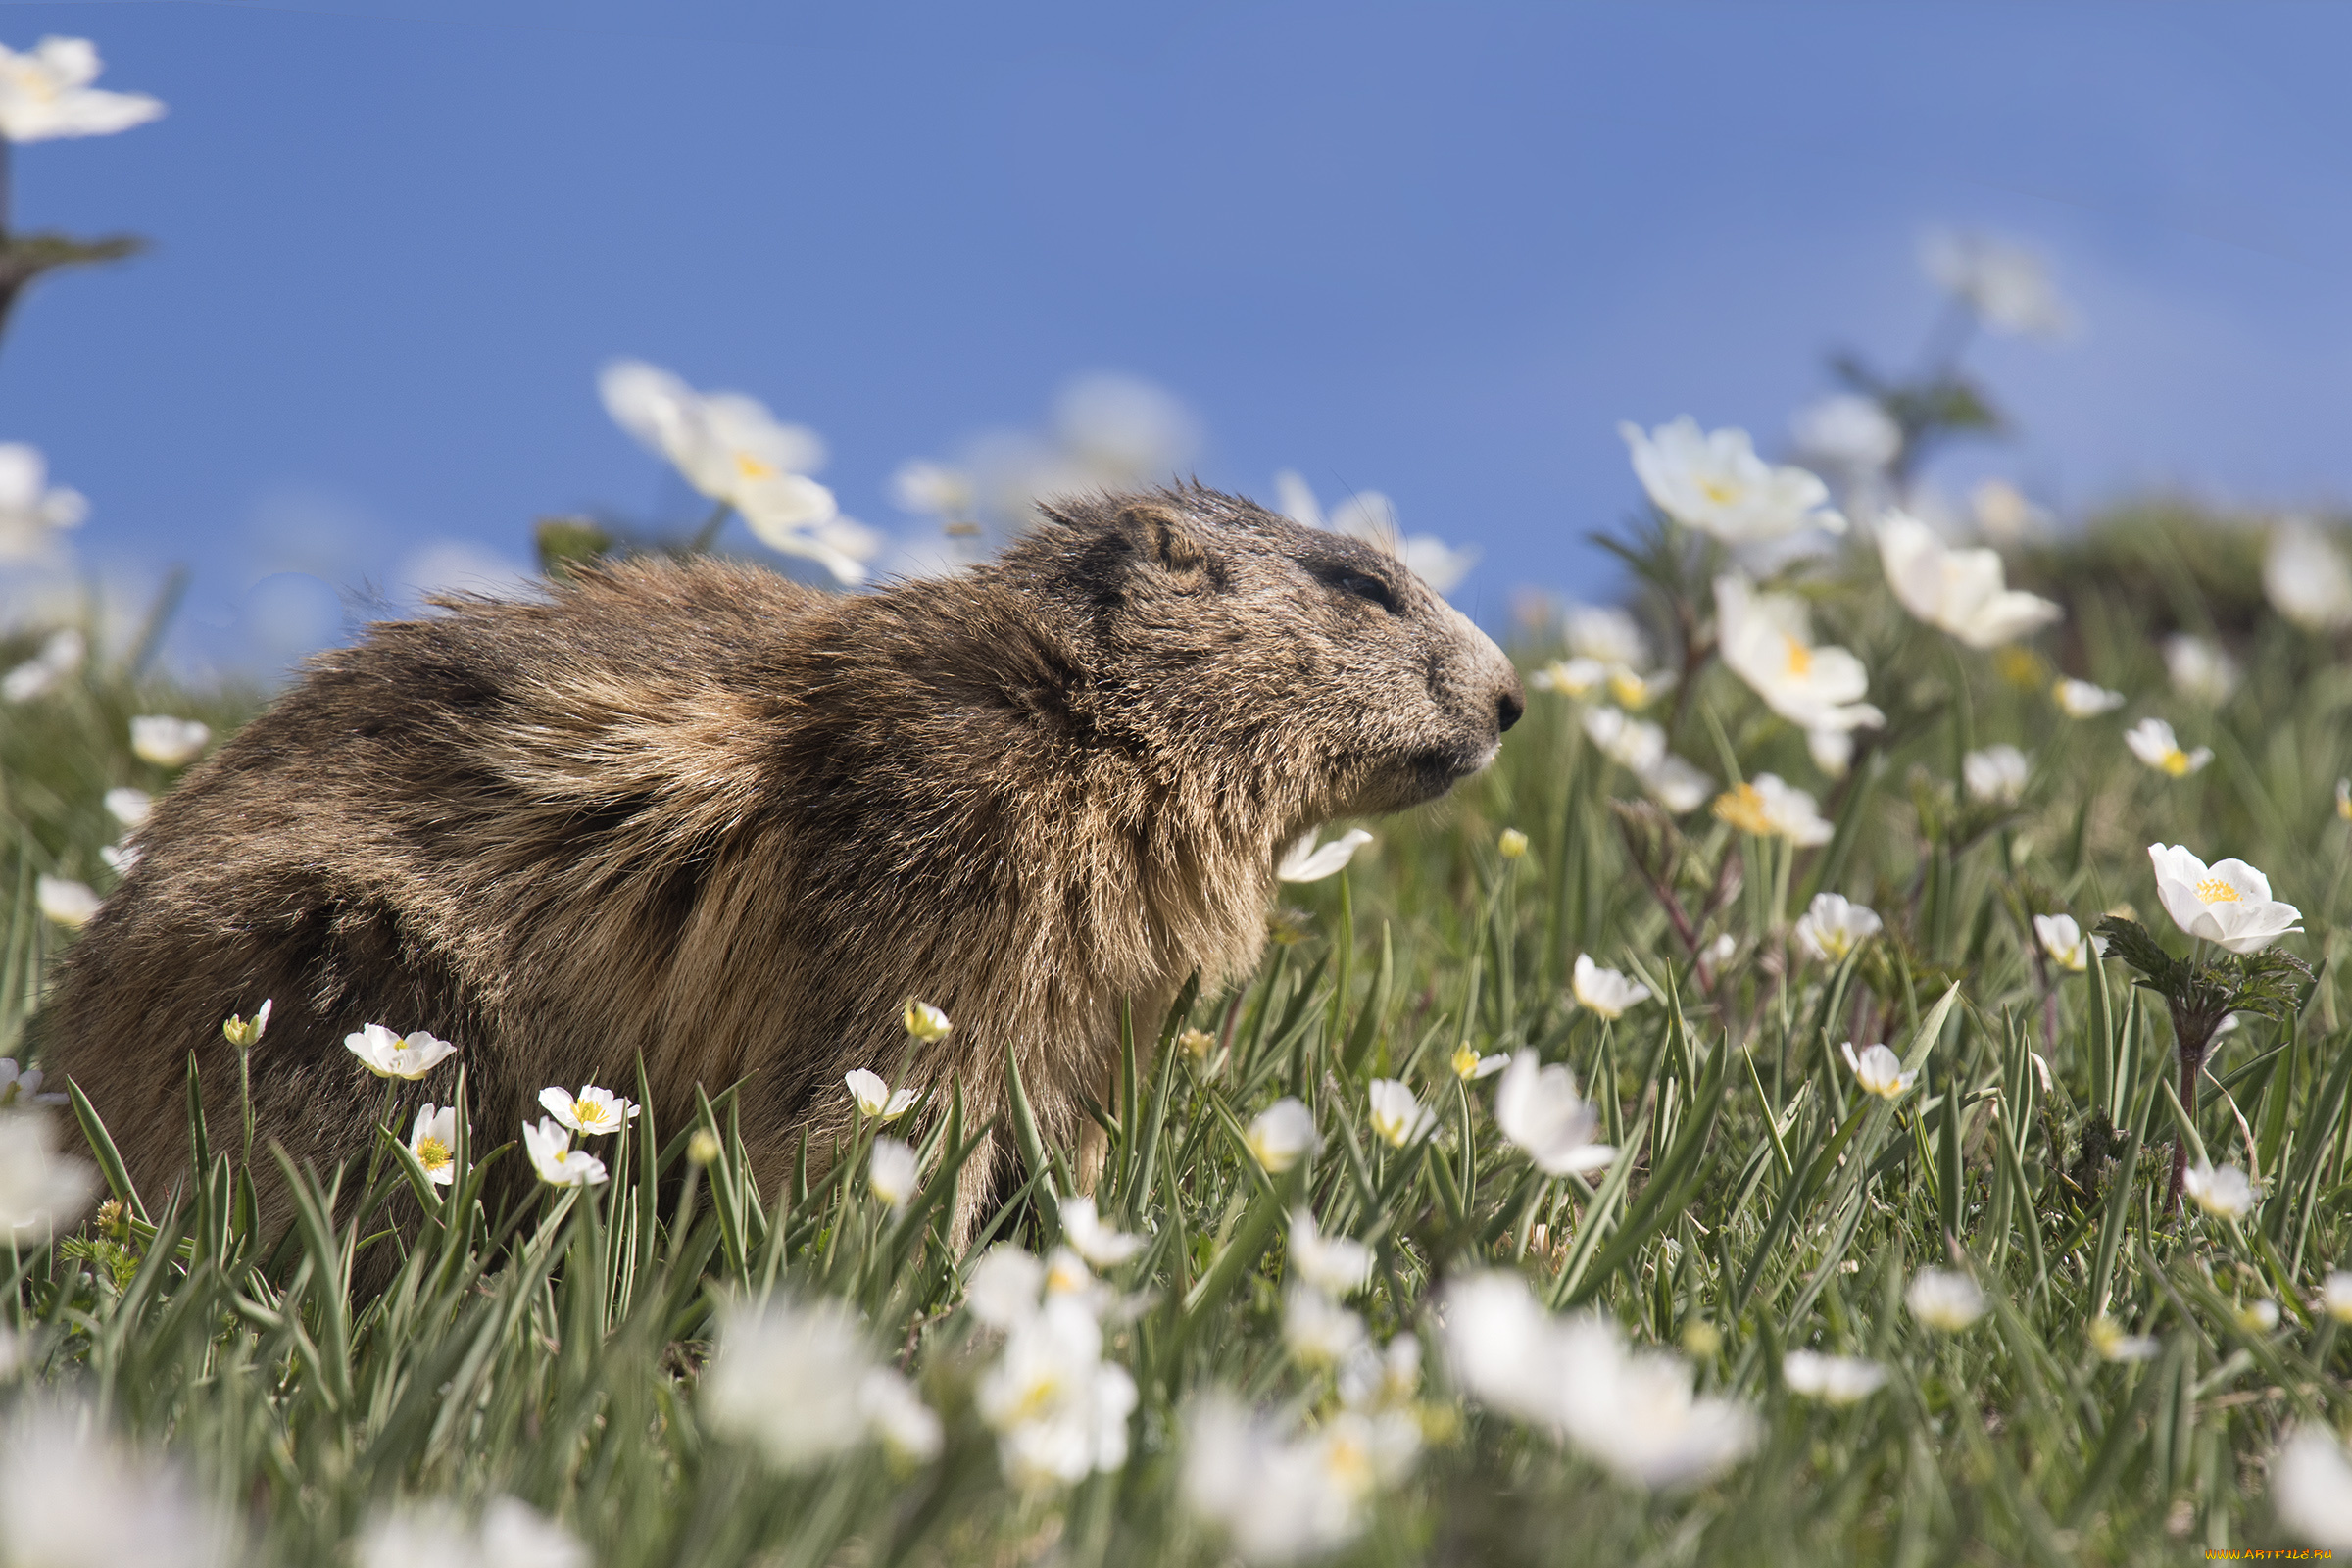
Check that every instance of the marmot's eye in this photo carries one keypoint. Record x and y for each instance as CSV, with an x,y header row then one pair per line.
x,y
1363,585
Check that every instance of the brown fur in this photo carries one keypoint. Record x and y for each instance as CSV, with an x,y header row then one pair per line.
x,y
697,811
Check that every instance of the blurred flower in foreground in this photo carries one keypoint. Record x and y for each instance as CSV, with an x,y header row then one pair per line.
x,y
1316,1330
1330,1264
798,1381
592,1112
168,741
72,1498
2199,669
433,1140
1833,926
70,904
1539,1109
1059,1409
22,1087
1632,1412
1282,1498
729,447
511,1535
1848,432
892,1171
1397,1116
61,654
1282,1135
1996,775
2007,285
2343,799
1604,991
1943,1299
2063,939
391,1055
2307,578
1103,1245
45,93
1767,641
1830,1379
559,1165
2152,741
1713,481
1306,861
1511,844
2225,1192
2311,1482
1371,516
1767,806
2228,903
2110,1343
1879,1070
874,1098
1963,591
2083,699
40,1189
2335,1295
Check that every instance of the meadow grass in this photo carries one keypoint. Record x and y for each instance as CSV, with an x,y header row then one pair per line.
x,y
1760,1202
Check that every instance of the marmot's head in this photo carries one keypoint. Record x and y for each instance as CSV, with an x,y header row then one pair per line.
x,y
1307,667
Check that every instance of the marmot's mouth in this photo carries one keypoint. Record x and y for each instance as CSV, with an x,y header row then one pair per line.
x,y
1442,767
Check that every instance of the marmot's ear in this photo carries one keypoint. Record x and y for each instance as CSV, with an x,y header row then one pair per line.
x,y
1162,535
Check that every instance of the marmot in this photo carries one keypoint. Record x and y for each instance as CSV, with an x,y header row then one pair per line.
x,y
695,810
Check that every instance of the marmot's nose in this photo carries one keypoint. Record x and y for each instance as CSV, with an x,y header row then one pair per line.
x,y
1509,707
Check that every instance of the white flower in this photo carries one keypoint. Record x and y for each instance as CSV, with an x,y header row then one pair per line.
x,y
1959,591
511,1532
1389,1379
924,1022
1880,1071
1833,926
2111,1343
1316,1330
1570,677
2335,1295
874,1098
1303,861
559,1165
1634,1414
2006,285
1605,992
1059,1409
2003,513
1539,1110
129,806
45,93
790,1378
1371,516
2229,901
1469,1066
2311,1483
896,1414
2343,799
592,1112
2307,578
1608,636
433,1140
1282,1499
2152,741
1510,844
1996,774
1943,1299
1005,1286
1847,431
1633,744
1832,1379
1767,641
390,1056
40,1189
733,450
70,1497
1103,1245
1282,1135
31,512
19,1087
1680,787
921,485
166,741
246,1033
2258,1316
2199,669
1330,1264
515,1535
1768,807
1831,749
893,1171
68,903
120,858
2225,1192
1714,482
2083,699
2063,939
61,654
1397,1116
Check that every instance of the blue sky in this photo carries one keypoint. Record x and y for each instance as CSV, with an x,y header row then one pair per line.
x,y
1437,251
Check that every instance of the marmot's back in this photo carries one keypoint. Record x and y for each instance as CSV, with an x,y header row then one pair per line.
x,y
697,812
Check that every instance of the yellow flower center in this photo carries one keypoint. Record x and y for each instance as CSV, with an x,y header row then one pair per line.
x,y
2214,889
1799,657
750,468
1465,1061
1628,689
593,1118
1742,806
433,1155
2175,763
1723,492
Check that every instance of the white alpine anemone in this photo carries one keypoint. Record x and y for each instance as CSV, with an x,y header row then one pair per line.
x,y
1833,925
1606,993
592,1112
874,1097
1943,1299
1539,1109
60,654
893,1171
1996,775
1768,807
1398,1117
1305,861
1880,1071
2006,285
2200,669
2152,741
2083,699
2307,578
1332,1264
1281,1496
2228,903
1713,481
1102,1244
45,93
40,1189
2223,1192
1059,1409
433,1140
559,1165
1282,1135
924,1022
1963,591
2311,1483
2109,1341
1830,1379
167,740
393,1056
2063,939
70,903
1767,641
